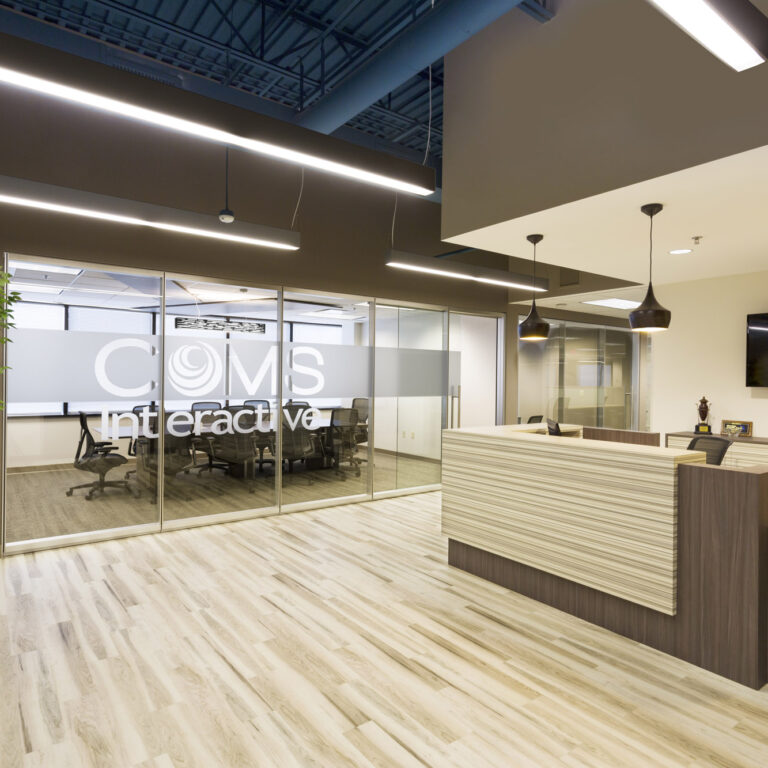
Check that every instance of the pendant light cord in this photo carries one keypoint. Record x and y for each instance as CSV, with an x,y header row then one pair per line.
x,y
533,285
394,217
650,257
226,177
429,123
298,202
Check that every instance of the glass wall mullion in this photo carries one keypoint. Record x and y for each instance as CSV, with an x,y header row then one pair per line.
x,y
160,482
4,395
279,401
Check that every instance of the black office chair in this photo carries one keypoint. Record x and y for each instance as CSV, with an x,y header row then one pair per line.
x,y
265,407
133,444
342,442
360,404
199,443
714,447
97,457
209,405
177,458
301,403
235,448
299,443
553,427
535,419
264,440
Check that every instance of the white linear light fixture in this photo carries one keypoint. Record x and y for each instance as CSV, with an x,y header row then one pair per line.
x,y
461,276
117,218
733,30
191,128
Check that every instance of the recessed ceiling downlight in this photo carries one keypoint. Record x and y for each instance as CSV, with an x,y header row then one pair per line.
x,y
614,303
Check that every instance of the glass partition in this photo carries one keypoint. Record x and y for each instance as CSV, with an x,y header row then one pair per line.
x,y
411,405
85,353
326,397
582,374
137,401
221,364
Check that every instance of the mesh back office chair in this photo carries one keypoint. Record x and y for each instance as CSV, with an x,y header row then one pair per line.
x,y
263,440
235,448
177,458
133,444
299,444
206,405
265,407
553,427
96,457
535,419
714,447
300,403
360,404
342,442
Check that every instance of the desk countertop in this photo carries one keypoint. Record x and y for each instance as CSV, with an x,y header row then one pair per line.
x,y
736,440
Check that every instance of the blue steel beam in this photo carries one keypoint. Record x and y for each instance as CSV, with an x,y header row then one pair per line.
x,y
428,39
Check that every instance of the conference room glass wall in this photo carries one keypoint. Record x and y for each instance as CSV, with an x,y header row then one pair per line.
x,y
86,351
137,401
585,374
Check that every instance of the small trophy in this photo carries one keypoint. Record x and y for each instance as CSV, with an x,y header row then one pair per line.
x,y
703,407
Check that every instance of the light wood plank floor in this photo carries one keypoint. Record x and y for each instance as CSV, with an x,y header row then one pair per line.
x,y
337,637
37,507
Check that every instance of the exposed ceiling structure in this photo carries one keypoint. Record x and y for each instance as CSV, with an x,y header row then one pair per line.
x,y
284,54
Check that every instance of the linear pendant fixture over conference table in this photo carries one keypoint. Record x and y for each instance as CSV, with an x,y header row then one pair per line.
x,y
24,193
201,131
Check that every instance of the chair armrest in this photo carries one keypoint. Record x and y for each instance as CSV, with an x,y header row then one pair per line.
x,y
105,448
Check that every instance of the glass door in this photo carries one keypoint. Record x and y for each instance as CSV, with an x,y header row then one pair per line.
x,y
583,374
219,443
326,396
411,405
84,356
475,387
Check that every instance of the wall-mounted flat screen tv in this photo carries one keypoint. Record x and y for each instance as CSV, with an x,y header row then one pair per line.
x,y
757,350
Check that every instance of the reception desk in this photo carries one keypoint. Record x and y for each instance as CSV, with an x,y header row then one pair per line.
x,y
649,542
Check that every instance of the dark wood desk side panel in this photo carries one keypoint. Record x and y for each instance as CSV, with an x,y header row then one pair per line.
x,y
723,524
622,436
722,619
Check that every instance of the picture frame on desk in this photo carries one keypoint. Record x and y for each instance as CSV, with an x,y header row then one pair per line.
x,y
744,426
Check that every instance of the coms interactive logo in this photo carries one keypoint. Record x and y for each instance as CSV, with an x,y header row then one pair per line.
x,y
195,369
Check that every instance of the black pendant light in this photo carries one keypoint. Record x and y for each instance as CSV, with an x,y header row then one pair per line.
x,y
650,316
533,328
226,216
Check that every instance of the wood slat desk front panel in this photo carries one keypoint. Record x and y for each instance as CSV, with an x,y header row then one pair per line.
x,y
600,514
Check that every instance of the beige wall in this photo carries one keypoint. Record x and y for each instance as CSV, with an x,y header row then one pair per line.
x,y
606,94
704,353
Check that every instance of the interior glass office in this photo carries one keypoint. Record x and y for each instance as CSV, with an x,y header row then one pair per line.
x,y
586,374
142,401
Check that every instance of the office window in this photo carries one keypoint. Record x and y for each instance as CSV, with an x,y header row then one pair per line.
x,y
319,334
116,320
27,314
45,317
